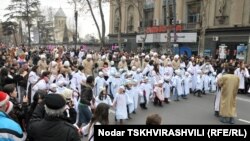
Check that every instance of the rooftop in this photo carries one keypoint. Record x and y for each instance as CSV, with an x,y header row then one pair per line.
x,y
60,13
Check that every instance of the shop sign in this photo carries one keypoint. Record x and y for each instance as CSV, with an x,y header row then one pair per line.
x,y
241,52
163,29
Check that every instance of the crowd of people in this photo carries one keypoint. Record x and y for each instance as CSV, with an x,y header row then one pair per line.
x,y
43,90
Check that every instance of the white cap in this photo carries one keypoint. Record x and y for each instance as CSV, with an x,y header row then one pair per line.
x,y
199,71
163,57
214,73
122,87
89,56
56,55
102,89
60,83
103,57
123,58
177,72
42,56
176,56
186,73
147,56
167,78
136,57
53,86
138,70
53,63
112,63
134,68
66,64
160,82
143,54
155,54
101,73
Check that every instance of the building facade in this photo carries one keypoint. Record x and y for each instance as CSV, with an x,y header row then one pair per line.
x,y
227,25
62,34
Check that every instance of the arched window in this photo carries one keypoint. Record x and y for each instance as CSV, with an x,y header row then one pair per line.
x,y
130,18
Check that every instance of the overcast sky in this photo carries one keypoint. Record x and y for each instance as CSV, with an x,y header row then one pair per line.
x,y
86,23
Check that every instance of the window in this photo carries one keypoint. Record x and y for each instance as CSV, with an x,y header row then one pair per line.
x,y
149,17
116,21
171,15
130,19
193,12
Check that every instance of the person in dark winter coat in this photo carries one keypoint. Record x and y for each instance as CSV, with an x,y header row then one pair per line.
x,y
53,127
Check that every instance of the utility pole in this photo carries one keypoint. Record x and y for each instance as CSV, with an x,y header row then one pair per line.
x,y
174,23
168,44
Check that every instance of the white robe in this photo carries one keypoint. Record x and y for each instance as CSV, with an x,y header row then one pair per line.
x,y
187,80
106,100
166,89
100,82
136,91
41,85
33,78
130,100
206,83
213,83
76,81
200,82
218,95
148,89
120,104
242,75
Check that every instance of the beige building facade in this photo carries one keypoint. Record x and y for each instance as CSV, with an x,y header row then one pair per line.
x,y
227,23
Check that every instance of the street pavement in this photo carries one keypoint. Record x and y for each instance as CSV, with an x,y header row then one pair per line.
x,y
193,111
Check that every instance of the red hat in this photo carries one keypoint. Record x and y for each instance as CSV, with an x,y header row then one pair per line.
x,y
4,98
9,107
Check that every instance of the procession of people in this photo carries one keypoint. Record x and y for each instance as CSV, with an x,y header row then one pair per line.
x,y
62,88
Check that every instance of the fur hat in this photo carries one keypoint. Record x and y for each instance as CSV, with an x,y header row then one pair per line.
x,y
54,101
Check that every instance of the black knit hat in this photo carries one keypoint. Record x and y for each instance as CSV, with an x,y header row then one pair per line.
x,y
54,101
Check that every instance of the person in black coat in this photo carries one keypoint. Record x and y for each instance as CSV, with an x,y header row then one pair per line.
x,y
53,127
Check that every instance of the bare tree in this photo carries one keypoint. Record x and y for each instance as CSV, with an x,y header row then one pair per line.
x,y
90,6
204,14
24,10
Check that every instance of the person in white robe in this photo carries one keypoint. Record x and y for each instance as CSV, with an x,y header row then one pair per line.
x,y
217,96
158,92
206,82
130,97
138,75
243,74
178,85
103,98
136,91
167,89
199,83
41,84
213,82
187,81
99,82
32,80
145,92
120,105
78,79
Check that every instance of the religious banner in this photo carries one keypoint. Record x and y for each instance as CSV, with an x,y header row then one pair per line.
x,y
222,51
241,52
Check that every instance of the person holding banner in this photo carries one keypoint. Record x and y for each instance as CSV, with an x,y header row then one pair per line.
x,y
229,84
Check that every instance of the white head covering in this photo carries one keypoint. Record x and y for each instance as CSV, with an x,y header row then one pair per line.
x,y
53,86
147,57
101,73
186,73
163,57
112,63
66,64
103,57
89,56
143,54
138,70
214,73
199,71
53,63
42,56
176,57
134,68
155,54
123,58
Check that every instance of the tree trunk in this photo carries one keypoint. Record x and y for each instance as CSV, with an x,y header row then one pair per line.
x,y
118,2
94,18
203,28
103,25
